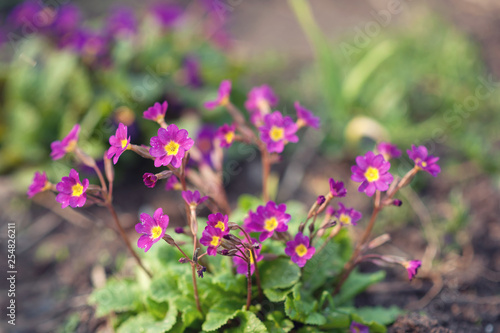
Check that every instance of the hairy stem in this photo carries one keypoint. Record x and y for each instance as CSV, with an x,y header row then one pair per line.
x,y
195,287
249,284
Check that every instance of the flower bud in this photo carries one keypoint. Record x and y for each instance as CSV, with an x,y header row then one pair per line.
x,y
149,179
397,202
321,199
179,230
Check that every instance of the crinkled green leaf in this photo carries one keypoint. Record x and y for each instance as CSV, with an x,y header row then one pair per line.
x,y
115,296
189,312
248,323
220,313
145,322
322,266
302,308
236,284
277,295
164,288
355,284
374,326
381,315
280,273
336,319
276,322
157,309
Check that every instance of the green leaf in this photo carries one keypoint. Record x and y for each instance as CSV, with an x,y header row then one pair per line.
x,y
157,309
190,313
249,323
236,284
145,322
116,296
302,308
378,314
277,295
326,264
220,313
164,288
280,273
355,284
276,322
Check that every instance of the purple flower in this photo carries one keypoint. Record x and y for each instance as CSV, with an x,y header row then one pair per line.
x,y
67,145
31,15
347,216
88,43
305,117
219,221
299,249
151,228
269,218
329,211
166,15
225,134
259,102
241,265
170,146
373,173
119,143
193,199
358,328
72,191
320,200
39,184
412,267
223,96
192,71
423,160
156,112
212,238
121,22
388,150
278,131
172,183
149,179
204,142
67,20
337,189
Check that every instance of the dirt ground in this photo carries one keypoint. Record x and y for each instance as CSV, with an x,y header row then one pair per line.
x,y
61,254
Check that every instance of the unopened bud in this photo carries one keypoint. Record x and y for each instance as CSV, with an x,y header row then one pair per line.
x,y
321,199
179,230
183,260
397,202
169,239
149,179
109,170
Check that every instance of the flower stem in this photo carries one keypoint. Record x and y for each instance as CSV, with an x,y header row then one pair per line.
x,y
249,284
111,209
266,168
195,287
257,274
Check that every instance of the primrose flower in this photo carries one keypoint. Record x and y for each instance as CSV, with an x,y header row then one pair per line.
x,y
347,216
268,219
156,112
299,249
172,183
205,142
149,179
388,150
39,184
337,189
278,131
193,199
359,328
305,117
219,221
166,15
170,146
373,173
119,143
412,267
67,20
67,145
121,22
225,134
223,96
259,102
152,229
192,71
72,190
242,266
423,160
212,238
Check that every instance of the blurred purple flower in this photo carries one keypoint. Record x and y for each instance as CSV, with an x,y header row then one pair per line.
x,y
347,216
192,71
39,184
72,190
219,221
66,145
305,117
119,143
121,22
225,134
423,160
193,199
241,265
259,102
277,131
212,238
388,150
412,267
156,112
166,15
373,173
222,96
170,146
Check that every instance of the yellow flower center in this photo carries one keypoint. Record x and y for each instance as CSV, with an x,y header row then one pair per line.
x,y
250,255
71,146
229,136
156,232
224,101
215,241
424,164
345,219
77,190
277,133
372,174
47,186
270,224
221,226
301,250
172,148
124,143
